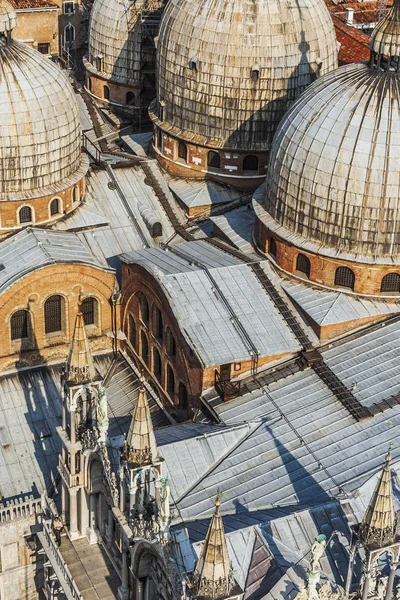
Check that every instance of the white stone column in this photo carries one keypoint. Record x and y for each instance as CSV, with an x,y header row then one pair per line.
x,y
123,590
350,570
389,589
366,586
73,513
91,532
64,501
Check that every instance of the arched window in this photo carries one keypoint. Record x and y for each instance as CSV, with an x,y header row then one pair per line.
x,y
391,283
106,92
183,396
25,214
90,311
54,314
90,84
250,163
157,364
213,160
144,347
182,151
98,63
303,264
19,325
132,331
170,343
157,323
76,194
69,34
159,139
272,247
170,382
54,206
344,277
144,308
130,98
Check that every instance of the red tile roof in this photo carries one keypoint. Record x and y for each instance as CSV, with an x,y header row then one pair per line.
x,y
26,4
354,43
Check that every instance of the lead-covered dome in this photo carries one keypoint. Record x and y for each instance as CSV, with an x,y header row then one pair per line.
x,y
334,172
40,138
228,70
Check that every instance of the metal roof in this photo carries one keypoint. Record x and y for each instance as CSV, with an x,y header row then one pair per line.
x,y
237,226
203,317
195,193
33,248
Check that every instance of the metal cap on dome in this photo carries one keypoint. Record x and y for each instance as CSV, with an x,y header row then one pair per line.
x,y
385,38
8,18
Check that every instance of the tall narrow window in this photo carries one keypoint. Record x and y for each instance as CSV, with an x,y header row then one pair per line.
x,y
106,92
132,331
130,98
183,396
182,151
250,163
144,350
144,308
213,160
98,63
76,194
69,34
90,311
170,343
53,314
159,139
344,277
25,214
157,323
170,382
303,264
157,364
391,283
19,325
272,247
54,206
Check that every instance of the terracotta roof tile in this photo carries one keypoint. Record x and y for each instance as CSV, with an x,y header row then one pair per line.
x,y
24,4
354,43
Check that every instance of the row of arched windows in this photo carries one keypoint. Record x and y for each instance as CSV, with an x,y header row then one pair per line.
x,y
26,213
250,163
344,276
162,334
54,317
152,358
129,98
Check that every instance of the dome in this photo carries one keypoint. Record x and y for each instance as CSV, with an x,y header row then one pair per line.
x,y
115,40
334,171
40,135
8,17
228,70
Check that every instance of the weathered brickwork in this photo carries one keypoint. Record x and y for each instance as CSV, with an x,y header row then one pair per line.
x,y
31,292
95,85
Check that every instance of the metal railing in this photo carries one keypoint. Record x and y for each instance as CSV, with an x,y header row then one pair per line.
x,y
225,388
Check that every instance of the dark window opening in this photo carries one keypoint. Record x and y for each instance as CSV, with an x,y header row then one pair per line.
x,y
255,73
89,311
303,264
193,64
344,277
90,84
130,98
144,308
54,207
272,247
69,34
391,283
25,214
144,347
183,396
157,364
214,160
132,331
53,317
106,92
19,325
98,63
44,48
159,139
170,382
182,151
157,323
250,163
170,343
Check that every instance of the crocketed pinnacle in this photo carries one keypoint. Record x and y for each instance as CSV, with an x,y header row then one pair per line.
x,y
213,576
141,448
8,18
80,367
385,38
378,527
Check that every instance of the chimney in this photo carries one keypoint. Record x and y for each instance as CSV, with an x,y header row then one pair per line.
x,y
349,19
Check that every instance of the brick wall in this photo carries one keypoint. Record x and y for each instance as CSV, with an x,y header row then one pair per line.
x,y
118,91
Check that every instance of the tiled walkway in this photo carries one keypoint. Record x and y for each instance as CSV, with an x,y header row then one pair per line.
x,y
91,569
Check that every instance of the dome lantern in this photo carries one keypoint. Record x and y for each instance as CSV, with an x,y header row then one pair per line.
x,y
385,40
8,19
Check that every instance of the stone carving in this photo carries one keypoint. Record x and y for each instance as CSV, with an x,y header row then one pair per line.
x,y
164,509
317,551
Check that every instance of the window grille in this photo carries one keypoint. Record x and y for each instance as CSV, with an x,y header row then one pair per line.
x,y
53,314
132,331
391,283
272,247
170,382
303,264
89,311
144,347
157,364
19,325
25,214
182,151
250,163
213,160
344,277
54,207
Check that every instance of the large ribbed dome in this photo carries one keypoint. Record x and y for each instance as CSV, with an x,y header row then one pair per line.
x,y
40,142
114,37
334,173
228,70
